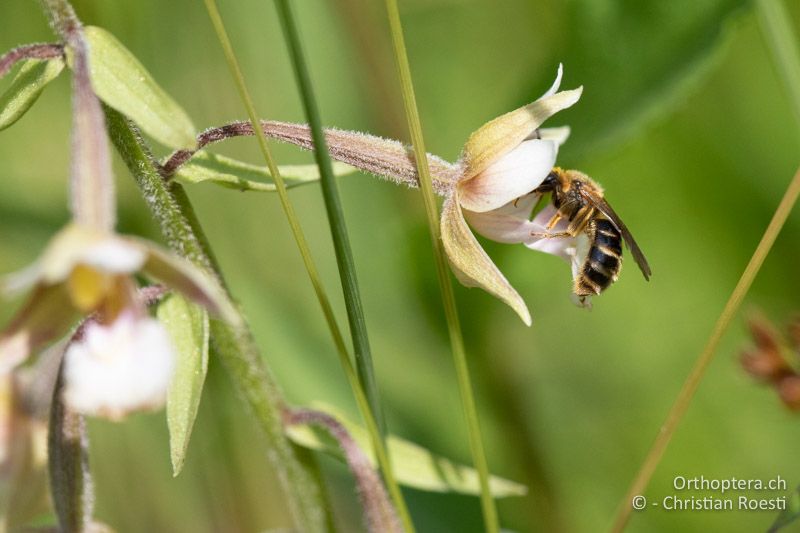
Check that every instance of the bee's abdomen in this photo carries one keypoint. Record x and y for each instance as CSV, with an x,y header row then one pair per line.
x,y
604,261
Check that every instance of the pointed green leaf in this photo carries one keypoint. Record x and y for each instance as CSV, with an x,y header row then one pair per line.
x,y
122,82
26,88
187,324
414,466
233,174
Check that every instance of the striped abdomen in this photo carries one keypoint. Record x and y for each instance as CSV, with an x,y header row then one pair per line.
x,y
604,261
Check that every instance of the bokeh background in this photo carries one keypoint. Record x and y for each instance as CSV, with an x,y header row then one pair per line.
x,y
683,120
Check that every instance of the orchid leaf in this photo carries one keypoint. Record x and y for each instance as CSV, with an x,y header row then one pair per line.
x,y
188,327
26,87
122,82
232,174
414,466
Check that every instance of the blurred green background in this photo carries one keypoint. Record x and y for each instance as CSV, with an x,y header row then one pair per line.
x,y
683,120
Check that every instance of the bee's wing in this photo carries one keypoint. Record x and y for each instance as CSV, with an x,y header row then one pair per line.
x,y
602,205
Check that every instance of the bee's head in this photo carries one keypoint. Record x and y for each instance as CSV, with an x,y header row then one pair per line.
x,y
552,180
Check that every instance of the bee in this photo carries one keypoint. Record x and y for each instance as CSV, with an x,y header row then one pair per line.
x,y
579,200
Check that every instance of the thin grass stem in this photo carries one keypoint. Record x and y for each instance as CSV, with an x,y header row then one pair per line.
x,y
333,205
234,346
784,49
305,252
490,517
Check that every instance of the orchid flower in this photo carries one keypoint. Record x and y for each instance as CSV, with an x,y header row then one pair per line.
x,y
501,164
121,360
489,187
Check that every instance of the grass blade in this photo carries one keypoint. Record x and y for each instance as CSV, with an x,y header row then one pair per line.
x,y
308,261
448,298
333,205
784,51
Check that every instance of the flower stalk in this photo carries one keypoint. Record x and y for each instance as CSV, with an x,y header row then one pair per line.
x,y
92,199
233,344
490,518
29,51
305,252
68,460
379,514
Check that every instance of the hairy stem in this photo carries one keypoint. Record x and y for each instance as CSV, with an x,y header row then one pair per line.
x,y
490,517
379,513
68,461
235,346
92,197
308,261
384,158
29,51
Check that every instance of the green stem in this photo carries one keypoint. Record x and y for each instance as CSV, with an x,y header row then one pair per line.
x,y
333,205
784,49
68,460
313,274
92,197
490,517
783,44
235,346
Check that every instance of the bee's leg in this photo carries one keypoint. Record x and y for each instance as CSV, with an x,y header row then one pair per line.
x,y
581,220
553,221
551,235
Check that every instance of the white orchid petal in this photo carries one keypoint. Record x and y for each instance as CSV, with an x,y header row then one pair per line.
x,y
517,173
509,223
470,263
519,207
558,135
499,227
115,256
556,84
119,368
499,136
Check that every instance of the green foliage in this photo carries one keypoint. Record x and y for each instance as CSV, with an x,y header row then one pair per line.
x,y
232,174
414,466
26,87
790,514
188,327
122,82
571,404
668,48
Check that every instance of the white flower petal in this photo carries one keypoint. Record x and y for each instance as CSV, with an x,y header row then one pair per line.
x,y
76,244
556,84
509,224
497,137
516,173
119,368
558,135
114,255
563,247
